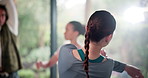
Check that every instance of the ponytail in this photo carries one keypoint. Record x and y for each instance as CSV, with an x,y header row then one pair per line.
x,y
86,64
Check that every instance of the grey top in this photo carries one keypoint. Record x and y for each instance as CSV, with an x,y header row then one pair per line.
x,y
70,67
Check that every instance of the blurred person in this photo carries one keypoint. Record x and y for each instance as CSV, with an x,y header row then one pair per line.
x,y
72,31
88,61
10,61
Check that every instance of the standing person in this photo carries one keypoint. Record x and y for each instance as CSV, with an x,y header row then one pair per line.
x,y
88,62
72,31
9,55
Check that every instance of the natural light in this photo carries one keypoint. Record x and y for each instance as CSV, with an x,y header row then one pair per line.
x,y
134,14
71,3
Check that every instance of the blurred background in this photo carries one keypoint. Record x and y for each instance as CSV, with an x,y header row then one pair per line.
x,y
129,44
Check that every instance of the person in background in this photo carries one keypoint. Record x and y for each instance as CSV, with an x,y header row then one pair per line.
x,y
72,31
10,61
88,61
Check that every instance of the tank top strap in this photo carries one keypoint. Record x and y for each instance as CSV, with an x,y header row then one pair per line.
x,y
81,53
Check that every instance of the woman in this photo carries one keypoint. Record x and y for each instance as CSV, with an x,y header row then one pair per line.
x,y
88,62
10,61
72,32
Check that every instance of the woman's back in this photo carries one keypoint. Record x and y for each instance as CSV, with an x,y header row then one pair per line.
x,y
73,68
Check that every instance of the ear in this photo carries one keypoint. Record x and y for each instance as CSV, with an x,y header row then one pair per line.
x,y
108,38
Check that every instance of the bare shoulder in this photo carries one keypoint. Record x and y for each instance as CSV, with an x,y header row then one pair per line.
x,y
76,54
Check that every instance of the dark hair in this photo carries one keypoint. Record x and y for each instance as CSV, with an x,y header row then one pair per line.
x,y
4,8
100,24
77,26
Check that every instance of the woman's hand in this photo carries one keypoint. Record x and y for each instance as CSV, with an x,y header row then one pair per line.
x,y
134,72
38,65
102,52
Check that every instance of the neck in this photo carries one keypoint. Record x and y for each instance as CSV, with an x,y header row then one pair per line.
x,y
94,50
74,42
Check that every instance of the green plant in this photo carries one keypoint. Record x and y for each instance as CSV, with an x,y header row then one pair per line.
x,y
26,73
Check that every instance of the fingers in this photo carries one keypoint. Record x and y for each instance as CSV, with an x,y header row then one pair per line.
x,y
133,71
102,52
138,76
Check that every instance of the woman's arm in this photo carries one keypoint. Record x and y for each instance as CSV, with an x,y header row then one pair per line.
x,y
53,60
133,71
